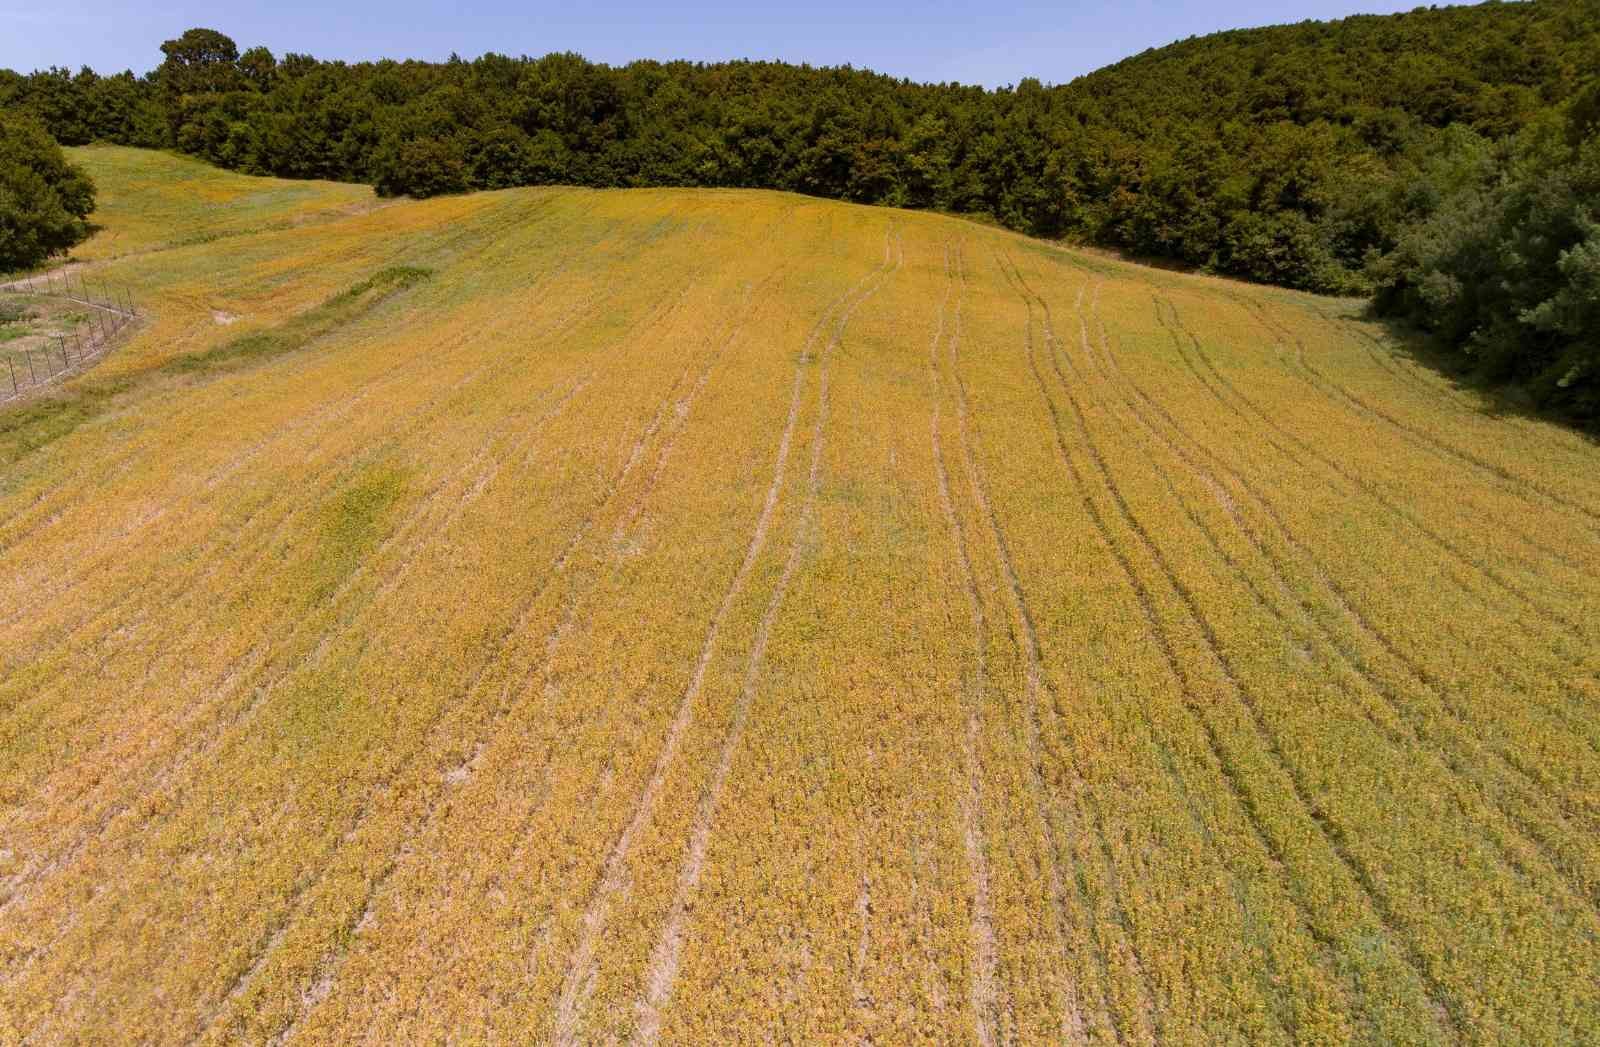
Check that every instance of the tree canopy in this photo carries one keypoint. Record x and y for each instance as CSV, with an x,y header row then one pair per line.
x,y
44,201
1502,261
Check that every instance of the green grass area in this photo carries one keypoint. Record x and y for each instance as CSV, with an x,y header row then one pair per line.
x,y
162,200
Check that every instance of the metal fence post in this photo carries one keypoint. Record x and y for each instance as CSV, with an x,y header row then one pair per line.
x,y
11,362
31,372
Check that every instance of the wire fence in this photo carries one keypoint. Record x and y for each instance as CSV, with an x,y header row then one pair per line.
x,y
111,308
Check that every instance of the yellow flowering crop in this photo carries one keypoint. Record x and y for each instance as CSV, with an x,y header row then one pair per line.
x,y
566,616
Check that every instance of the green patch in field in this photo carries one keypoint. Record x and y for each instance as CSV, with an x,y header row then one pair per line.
x,y
33,425
350,527
342,533
661,229
26,428
1056,253
300,331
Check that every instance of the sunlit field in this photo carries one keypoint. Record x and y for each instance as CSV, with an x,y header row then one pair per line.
x,y
688,615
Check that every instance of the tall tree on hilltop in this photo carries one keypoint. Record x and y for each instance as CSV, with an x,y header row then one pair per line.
x,y
199,61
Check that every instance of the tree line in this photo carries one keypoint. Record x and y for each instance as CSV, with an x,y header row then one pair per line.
x,y
1312,156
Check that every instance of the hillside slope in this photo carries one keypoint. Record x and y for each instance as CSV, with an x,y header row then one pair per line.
x,y
1286,154
688,614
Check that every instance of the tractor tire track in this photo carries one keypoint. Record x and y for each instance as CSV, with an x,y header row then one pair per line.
x,y
331,414
575,984
329,965
1217,382
1073,1023
451,513
230,673
1345,602
1348,402
1417,736
1445,1005
216,735
417,520
1508,480
112,466
405,366
469,689
207,560
985,995
662,969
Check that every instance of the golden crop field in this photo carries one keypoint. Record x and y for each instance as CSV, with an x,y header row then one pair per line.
x,y
569,616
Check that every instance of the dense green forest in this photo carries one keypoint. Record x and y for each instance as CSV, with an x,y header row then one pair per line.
x,y
1502,263
1332,156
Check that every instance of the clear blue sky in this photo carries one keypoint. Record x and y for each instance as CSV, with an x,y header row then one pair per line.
x,y
971,41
